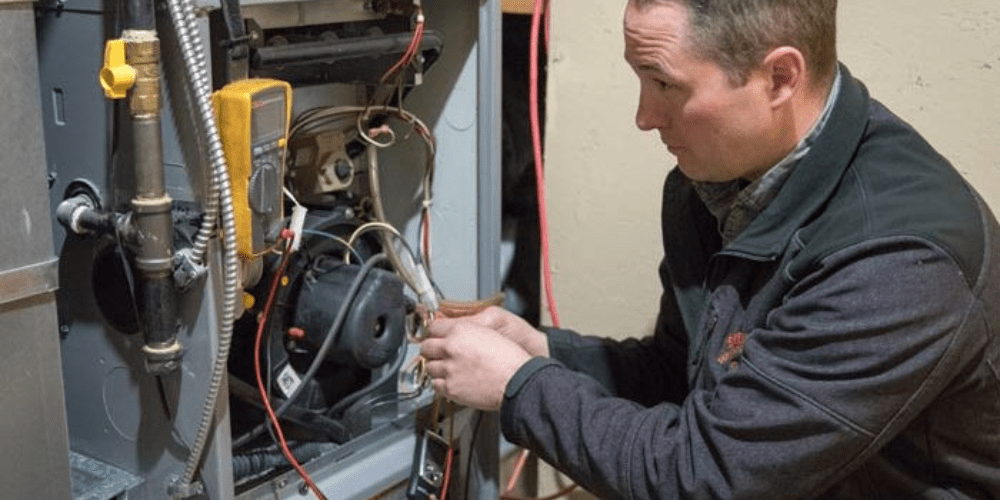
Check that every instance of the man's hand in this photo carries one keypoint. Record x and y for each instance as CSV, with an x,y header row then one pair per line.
x,y
470,363
514,328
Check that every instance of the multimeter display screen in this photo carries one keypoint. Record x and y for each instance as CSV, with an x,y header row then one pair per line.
x,y
268,118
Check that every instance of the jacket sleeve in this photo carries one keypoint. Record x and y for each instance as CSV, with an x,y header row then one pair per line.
x,y
648,370
856,350
654,369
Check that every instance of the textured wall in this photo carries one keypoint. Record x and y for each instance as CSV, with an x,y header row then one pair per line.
x,y
936,64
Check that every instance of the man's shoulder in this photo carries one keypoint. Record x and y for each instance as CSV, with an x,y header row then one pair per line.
x,y
898,185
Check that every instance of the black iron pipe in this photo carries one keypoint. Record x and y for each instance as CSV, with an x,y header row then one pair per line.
x,y
139,15
159,330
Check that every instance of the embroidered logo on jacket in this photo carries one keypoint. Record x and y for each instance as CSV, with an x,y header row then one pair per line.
x,y
732,349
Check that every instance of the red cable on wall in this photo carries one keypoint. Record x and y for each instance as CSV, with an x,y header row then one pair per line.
x,y
536,142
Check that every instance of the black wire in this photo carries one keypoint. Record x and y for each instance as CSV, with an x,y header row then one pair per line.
x,y
350,399
472,444
129,277
328,342
332,237
267,364
163,398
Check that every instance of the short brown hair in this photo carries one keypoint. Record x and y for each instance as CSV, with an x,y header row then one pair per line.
x,y
737,34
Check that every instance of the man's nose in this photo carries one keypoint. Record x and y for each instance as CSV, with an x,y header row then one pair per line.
x,y
648,117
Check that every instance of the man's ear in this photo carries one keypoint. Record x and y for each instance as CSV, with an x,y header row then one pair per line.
x,y
785,70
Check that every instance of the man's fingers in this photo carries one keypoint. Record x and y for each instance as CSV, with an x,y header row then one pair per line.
x,y
441,327
432,348
492,317
438,385
436,369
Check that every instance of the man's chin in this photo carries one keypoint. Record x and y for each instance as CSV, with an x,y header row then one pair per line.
x,y
698,173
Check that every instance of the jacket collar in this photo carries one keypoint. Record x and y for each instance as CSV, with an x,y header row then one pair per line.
x,y
814,178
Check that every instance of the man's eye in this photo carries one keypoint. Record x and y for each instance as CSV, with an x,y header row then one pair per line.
x,y
663,85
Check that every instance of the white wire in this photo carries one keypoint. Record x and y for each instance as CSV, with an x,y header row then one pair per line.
x,y
371,226
290,196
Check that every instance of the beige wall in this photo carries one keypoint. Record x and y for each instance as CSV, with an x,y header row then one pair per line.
x,y
936,64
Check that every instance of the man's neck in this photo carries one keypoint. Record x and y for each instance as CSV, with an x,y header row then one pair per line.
x,y
812,104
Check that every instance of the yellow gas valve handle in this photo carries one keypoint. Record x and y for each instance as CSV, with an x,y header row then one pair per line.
x,y
116,76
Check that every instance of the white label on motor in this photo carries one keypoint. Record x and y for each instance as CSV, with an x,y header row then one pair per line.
x,y
288,380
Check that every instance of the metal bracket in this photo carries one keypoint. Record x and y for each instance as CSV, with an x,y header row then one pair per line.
x,y
186,270
29,281
178,491
96,480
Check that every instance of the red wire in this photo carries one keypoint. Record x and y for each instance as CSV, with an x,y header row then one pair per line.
x,y
516,473
541,6
447,472
426,237
536,141
260,380
411,50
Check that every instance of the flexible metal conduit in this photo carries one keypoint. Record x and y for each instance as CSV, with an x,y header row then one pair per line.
x,y
220,200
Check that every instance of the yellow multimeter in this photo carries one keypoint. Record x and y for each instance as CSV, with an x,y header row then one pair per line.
x,y
253,117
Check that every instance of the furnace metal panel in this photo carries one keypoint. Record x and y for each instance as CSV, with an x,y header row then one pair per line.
x,y
35,456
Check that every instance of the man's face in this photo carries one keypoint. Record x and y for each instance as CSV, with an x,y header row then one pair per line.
x,y
717,131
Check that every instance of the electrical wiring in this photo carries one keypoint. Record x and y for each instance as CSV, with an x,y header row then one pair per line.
x,y
379,208
516,472
370,136
408,57
347,246
541,9
449,458
424,237
404,61
411,49
536,141
447,471
284,189
328,342
405,271
472,443
379,226
260,381
316,118
354,397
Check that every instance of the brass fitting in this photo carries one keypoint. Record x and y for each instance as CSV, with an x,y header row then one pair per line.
x,y
142,53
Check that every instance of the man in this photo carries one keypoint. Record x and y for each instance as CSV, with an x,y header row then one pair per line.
x,y
831,289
